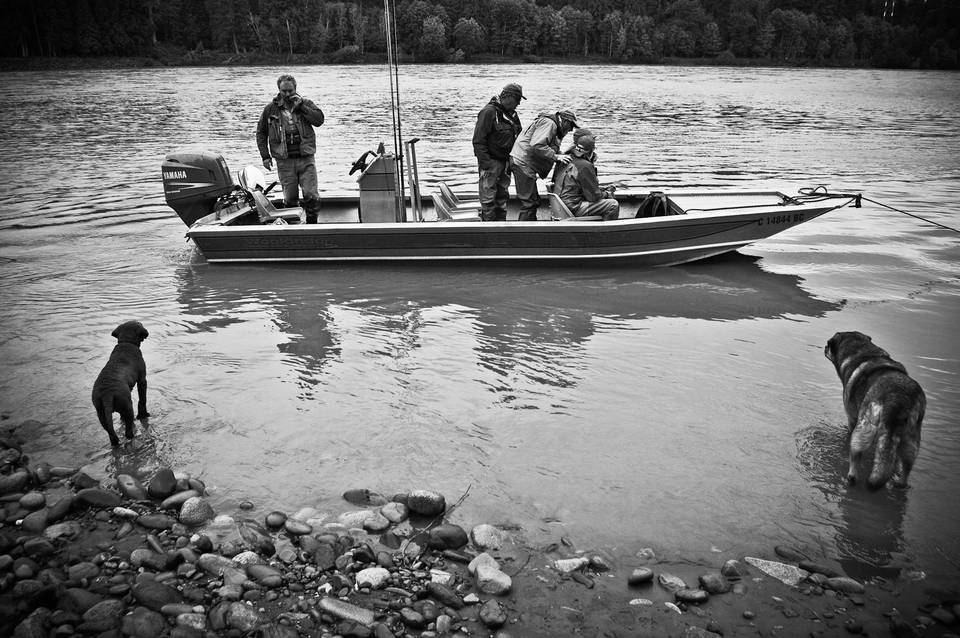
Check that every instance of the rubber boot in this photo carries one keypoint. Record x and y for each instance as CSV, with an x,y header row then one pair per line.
x,y
311,207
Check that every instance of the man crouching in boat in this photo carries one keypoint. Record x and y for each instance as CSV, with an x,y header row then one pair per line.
x,y
534,154
497,128
285,131
576,183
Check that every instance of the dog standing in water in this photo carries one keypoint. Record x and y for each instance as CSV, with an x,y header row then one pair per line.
x,y
884,409
126,367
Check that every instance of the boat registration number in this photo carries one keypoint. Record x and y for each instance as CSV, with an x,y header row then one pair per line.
x,y
772,220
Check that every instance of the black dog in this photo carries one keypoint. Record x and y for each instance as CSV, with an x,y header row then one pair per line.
x,y
884,408
111,390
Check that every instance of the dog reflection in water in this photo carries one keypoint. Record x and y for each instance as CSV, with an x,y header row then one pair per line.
x,y
124,369
884,409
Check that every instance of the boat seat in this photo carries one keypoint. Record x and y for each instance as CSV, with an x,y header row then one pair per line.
x,y
445,213
269,213
560,212
454,201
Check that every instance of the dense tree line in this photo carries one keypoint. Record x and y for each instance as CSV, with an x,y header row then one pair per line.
x,y
889,33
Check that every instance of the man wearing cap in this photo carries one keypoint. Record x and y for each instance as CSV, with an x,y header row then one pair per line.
x,y
498,126
534,154
576,184
285,131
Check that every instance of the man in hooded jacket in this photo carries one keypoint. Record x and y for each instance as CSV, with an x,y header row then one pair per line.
x,y
534,154
493,136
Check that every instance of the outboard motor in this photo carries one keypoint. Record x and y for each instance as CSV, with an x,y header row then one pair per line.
x,y
193,181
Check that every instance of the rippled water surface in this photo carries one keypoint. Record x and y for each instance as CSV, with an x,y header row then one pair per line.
x,y
689,409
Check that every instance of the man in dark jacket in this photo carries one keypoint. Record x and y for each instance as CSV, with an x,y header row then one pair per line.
x,y
497,128
285,131
576,184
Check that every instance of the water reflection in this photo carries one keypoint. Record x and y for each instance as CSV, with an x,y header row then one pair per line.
x,y
869,537
534,334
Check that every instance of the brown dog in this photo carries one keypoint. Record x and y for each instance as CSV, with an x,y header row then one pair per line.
x,y
111,390
884,408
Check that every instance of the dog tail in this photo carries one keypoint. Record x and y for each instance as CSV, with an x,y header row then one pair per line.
x,y
884,459
898,441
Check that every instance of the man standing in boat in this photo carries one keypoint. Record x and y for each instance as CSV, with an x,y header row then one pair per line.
x,y
285,131
575,182
534,154
497,128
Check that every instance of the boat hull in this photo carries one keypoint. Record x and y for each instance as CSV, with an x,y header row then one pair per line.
x,y
656,241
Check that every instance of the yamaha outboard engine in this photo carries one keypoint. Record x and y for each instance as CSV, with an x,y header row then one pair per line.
x,y
193,181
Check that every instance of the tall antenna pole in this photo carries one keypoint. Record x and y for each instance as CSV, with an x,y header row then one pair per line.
x,y
393,53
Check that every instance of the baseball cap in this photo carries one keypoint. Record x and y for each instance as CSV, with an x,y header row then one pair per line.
x,y
587,143
568,115
515,89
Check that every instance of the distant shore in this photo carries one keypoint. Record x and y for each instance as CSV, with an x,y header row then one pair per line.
x,y
219,58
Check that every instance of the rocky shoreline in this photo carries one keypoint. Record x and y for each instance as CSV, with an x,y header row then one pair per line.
x,y
114,556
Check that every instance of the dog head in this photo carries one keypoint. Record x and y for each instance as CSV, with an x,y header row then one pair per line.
x,y
845,344
130,332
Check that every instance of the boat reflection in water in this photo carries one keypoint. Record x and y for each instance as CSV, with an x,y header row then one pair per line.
x,y
516,314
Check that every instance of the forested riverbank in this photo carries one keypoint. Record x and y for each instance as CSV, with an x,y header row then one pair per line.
x,y
862,33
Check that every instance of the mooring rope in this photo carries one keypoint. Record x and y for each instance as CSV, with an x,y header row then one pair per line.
x,y
817,193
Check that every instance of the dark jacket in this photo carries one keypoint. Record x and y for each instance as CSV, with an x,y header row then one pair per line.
x,y
537,147
576,182
270,137
495,133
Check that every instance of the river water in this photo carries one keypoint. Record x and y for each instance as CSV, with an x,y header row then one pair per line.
x,y
689,409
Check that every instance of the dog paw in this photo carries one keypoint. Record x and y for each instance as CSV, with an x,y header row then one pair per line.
x,y
115,442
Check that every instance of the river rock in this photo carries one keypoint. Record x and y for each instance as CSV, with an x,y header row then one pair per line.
x,y
33,501
154,595
196,510
492,614
275,520
482,559
346,611
143,623
485,536
242,617
715,583
214,564
36,625
426,502
266,575
103,616
356,518
14,482
162,484
733,569
695,596
671,583
445,595
491,580
141,555
821,568
787,574
247,558
372,577
363,497
376,523
157,521
395,512
845,584
295,527
76,600
81,570
639,576
447,536
131,487
177,499
60,509
34,522
96,497
192,620
567,565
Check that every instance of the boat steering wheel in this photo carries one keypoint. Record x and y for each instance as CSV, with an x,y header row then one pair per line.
x,y
360,164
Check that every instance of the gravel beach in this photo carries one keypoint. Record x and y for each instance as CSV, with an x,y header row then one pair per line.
x,y
85,555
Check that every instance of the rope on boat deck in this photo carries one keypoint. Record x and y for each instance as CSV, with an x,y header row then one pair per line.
x,y
819,193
